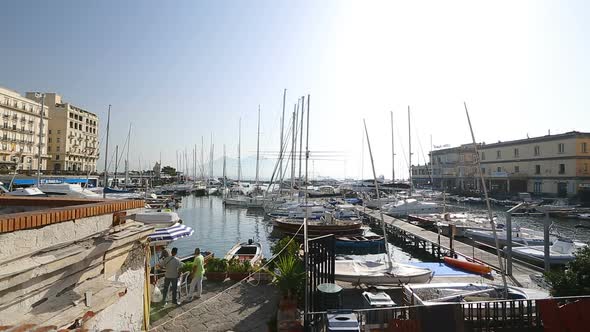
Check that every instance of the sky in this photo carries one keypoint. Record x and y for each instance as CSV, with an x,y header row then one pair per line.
x,y
182,70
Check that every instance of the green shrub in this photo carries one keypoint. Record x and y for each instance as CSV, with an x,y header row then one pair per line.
x,y
187,267
289,275
575,279
237,266
216,265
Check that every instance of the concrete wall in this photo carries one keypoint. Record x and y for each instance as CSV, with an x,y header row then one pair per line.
x,y
127,313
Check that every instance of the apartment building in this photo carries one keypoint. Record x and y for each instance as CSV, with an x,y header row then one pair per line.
x,y
552,164
72,137
555,165
19,132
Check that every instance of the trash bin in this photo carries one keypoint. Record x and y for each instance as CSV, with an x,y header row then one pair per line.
x,y
329,296
342,321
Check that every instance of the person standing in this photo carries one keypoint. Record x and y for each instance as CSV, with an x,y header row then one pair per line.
x,y
172,265
198,272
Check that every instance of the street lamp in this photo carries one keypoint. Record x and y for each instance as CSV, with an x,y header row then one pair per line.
x,y
42,96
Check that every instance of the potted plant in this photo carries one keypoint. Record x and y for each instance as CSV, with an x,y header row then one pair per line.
x,y
289,276
238,270
263,274
216,269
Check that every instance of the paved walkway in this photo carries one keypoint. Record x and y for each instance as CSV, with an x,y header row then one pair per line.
x,y
243,308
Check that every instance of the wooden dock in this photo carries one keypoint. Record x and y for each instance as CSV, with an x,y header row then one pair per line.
x,y
438,244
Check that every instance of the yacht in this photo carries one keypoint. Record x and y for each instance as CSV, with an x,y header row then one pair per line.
x,y
405,207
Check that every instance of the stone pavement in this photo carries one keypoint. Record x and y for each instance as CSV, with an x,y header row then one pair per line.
x,y
243,308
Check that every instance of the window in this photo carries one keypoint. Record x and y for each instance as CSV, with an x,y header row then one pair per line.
x,y
71,124
59,132
58,140
537,150
560,148
499,169
483,156
498,154
561,168
49,140
537,187
56,157
516,169
584,147
537,169
585,167
483,170
49,131
49,149
515,153
57,148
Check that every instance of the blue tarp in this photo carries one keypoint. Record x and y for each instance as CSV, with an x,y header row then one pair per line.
x,y
30,182
441,269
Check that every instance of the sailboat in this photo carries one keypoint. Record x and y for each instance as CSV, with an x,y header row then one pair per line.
x,y
379,271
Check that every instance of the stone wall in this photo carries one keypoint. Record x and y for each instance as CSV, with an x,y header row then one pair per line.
x,y
127,313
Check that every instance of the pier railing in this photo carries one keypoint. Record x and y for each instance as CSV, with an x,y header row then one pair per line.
x,y
552,314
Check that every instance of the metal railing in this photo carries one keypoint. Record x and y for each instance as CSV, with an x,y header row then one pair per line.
x,y
500,315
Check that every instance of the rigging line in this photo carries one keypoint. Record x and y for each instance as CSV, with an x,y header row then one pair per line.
x,y
399,139
232,286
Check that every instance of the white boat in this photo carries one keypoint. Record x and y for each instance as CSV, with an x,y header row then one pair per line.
x,y
411,206
374,203
26,192
458,292
377,271
250,251
520,236
159,219
68,189
560,252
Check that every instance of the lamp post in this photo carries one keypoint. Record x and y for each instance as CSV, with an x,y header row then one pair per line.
x,y
42,95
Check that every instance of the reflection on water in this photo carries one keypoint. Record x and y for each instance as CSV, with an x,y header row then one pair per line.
x,y
560,226
217,229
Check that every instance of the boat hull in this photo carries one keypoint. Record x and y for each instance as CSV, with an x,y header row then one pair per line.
x,y
318,228
378,273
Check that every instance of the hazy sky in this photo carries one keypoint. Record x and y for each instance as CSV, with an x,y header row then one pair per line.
x,y
180,70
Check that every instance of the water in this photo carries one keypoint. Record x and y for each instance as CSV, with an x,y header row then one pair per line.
x,y
218,228
560,226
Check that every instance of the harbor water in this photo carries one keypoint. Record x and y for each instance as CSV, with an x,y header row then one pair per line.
x,y
218,228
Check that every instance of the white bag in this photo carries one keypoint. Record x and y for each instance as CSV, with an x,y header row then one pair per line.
x,y
156,294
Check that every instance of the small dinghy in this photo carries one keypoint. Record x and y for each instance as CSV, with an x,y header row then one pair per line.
x,y
246,251
468,266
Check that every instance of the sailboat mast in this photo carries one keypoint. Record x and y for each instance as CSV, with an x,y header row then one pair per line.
x,y
305,231
211,158
293,139
306,149
485,192
239,151
116,164
392,150
224,184
377,193
301,138
127,160
410,152
258,147
282,137
106,154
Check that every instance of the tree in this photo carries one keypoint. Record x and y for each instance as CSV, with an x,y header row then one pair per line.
x,y
575,279
169,170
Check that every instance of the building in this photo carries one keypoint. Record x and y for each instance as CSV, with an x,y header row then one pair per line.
x,y
73,136
19,133
70,263
551,165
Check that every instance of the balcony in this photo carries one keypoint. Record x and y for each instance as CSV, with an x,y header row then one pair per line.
x,y
5,115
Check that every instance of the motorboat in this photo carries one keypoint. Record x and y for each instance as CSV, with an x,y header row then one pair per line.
x,y
25,192
377,270
246,251
361,241
561,252
461,221
157,219
458,292
68,189
520,236
294,210
411,206
327,224
374,203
